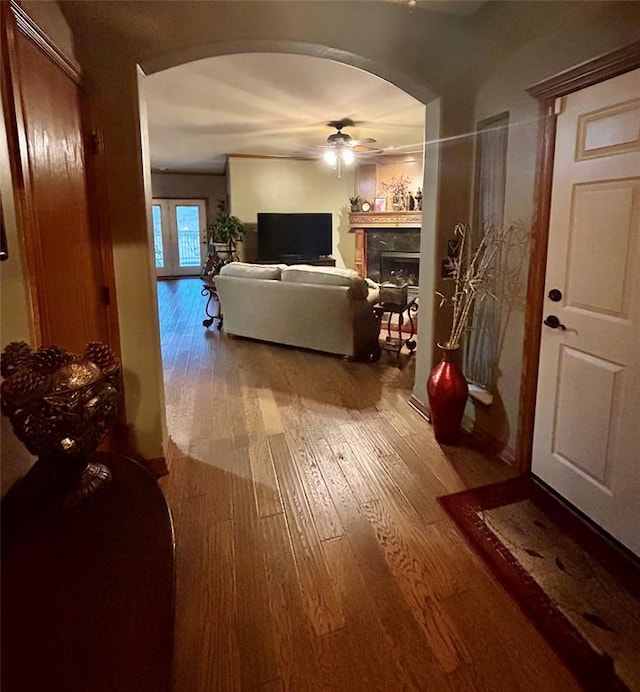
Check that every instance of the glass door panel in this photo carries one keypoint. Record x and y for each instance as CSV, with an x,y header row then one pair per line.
x,y
178,236
158,240
189,227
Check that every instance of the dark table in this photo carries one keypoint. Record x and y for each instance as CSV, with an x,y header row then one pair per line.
x,y
392,343
88,592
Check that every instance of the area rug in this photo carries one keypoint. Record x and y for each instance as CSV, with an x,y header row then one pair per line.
x,y
581,592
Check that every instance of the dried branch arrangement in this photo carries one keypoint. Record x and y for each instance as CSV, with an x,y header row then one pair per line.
x,y
397,187
473,272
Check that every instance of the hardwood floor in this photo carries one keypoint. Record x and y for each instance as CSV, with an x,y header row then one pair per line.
x,y
311,551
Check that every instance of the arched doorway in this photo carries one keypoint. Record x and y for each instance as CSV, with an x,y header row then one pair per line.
x,y
315,54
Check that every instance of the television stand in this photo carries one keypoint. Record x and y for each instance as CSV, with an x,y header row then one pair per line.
x,y
324,261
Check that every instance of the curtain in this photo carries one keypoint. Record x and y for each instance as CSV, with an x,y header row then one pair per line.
x,y
482,351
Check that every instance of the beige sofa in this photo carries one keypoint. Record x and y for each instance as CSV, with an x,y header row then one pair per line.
x,y
321,308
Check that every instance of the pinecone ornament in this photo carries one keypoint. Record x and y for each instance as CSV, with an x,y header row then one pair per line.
x,y
14,356
102,356
48,359
23,384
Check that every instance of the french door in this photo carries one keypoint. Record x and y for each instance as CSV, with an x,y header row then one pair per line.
x,y
179,236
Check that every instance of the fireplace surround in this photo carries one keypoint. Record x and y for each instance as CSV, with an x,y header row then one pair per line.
x,y
387,242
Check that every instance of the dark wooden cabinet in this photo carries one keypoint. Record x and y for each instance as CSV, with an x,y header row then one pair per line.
x,y
88,592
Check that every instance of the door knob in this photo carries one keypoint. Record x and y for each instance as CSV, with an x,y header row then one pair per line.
x,y
553,322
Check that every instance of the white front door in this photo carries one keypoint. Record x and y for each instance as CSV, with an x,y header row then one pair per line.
x,y
587,427
179,236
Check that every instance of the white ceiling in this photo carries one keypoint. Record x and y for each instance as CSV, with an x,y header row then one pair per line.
x,y
270,105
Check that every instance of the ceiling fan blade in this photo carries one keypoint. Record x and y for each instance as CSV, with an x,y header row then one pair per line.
x,y
358,142
360,149
343,122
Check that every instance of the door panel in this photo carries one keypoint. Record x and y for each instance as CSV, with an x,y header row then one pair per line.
x,y
611,130
587,438
582,435
188,234
160,254
602,236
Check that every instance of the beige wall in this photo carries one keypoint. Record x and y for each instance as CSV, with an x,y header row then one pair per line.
x,y
212,188
286,185
428,248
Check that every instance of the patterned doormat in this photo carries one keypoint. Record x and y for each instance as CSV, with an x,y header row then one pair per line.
x,y
581,591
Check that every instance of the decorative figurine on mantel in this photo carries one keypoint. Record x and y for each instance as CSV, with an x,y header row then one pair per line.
x,y
60,405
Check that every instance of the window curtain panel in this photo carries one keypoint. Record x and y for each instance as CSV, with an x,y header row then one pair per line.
x,y
483,343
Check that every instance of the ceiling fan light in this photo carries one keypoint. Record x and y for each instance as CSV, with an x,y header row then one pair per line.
x,y
330,157
347,156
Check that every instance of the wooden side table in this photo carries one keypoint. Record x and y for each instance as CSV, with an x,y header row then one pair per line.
x,y
392,343
88,592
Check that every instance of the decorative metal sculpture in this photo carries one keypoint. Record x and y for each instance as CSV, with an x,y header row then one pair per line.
x,y
60,405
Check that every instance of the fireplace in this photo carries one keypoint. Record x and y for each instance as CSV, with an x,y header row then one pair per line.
x,y
396,232
392,249
400,267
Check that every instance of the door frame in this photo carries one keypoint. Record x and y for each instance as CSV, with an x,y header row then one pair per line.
x,y
547,91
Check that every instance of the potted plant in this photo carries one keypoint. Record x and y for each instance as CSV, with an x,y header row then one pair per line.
x,y
223,235
355,203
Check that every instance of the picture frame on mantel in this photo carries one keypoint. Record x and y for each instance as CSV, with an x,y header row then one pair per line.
x,y
380,204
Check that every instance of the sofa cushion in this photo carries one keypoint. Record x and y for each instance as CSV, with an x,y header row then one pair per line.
x,y
245,270
327,276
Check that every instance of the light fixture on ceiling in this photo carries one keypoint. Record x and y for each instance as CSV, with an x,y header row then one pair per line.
x,y
338,155
341,147
330,157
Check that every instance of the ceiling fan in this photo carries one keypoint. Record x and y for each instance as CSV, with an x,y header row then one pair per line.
x,y
341,147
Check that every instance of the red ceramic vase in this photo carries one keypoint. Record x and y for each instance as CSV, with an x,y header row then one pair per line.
x,y
447,389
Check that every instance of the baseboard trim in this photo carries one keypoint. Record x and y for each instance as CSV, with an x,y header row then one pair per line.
x,y
488,442
158,466
170,453
423,410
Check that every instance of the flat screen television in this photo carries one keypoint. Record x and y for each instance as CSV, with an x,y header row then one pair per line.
x,y
299,236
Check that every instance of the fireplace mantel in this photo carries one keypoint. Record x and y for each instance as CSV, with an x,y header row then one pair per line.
x,y
360,222
382,219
